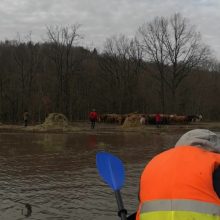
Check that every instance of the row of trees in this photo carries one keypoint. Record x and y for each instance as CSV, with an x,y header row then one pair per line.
x,y
165,68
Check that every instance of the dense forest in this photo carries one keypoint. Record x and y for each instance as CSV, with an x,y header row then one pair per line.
x,y
165,68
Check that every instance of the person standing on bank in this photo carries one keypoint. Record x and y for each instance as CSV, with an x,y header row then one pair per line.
x,y
93,118
183,182
26,116
158,120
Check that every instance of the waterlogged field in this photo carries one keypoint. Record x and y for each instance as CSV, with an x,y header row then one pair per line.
x,y
57,175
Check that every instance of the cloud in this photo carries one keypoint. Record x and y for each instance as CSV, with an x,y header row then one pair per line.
x,y
100,19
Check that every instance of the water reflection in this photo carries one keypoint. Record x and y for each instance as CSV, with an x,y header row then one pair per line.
x,y
56,173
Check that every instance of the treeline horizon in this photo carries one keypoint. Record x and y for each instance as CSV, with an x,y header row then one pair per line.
x,y
165,68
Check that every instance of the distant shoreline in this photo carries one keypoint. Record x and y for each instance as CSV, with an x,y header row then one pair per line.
x,y
84,127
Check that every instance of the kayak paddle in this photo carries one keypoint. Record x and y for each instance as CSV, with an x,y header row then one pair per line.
x,y
111,170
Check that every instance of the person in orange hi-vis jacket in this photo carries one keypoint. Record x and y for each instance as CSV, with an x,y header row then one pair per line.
x,y
183,182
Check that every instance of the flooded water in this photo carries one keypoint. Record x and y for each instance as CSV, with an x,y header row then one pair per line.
x,y
57,175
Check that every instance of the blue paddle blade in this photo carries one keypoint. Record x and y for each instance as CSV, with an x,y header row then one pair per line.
x,y
111,170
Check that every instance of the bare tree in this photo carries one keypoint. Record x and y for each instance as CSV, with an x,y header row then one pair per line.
x,y
176,48
152,39
5,57
121,64
26,60
62,40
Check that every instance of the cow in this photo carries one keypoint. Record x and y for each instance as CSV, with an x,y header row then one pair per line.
x,y
194,118
112,118
178,119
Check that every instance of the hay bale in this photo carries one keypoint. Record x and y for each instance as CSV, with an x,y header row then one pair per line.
x,y
132,120
55,120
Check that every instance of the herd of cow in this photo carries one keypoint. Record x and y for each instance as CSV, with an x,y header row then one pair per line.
x,y
149,118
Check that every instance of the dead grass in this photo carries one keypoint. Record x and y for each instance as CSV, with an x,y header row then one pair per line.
x,y
133,120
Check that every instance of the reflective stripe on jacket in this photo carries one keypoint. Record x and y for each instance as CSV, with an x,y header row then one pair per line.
x,y
177,185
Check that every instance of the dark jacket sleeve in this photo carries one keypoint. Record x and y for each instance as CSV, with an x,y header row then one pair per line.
x,y
216,181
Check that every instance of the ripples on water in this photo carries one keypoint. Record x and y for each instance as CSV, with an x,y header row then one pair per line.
x,y
56,173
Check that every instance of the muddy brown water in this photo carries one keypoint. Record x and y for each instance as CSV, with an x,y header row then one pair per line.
x,y
57,175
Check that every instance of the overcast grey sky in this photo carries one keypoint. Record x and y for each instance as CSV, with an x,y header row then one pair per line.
x,y
100,19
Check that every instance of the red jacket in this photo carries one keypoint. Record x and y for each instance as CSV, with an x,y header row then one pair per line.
x,y
157,118
93,115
